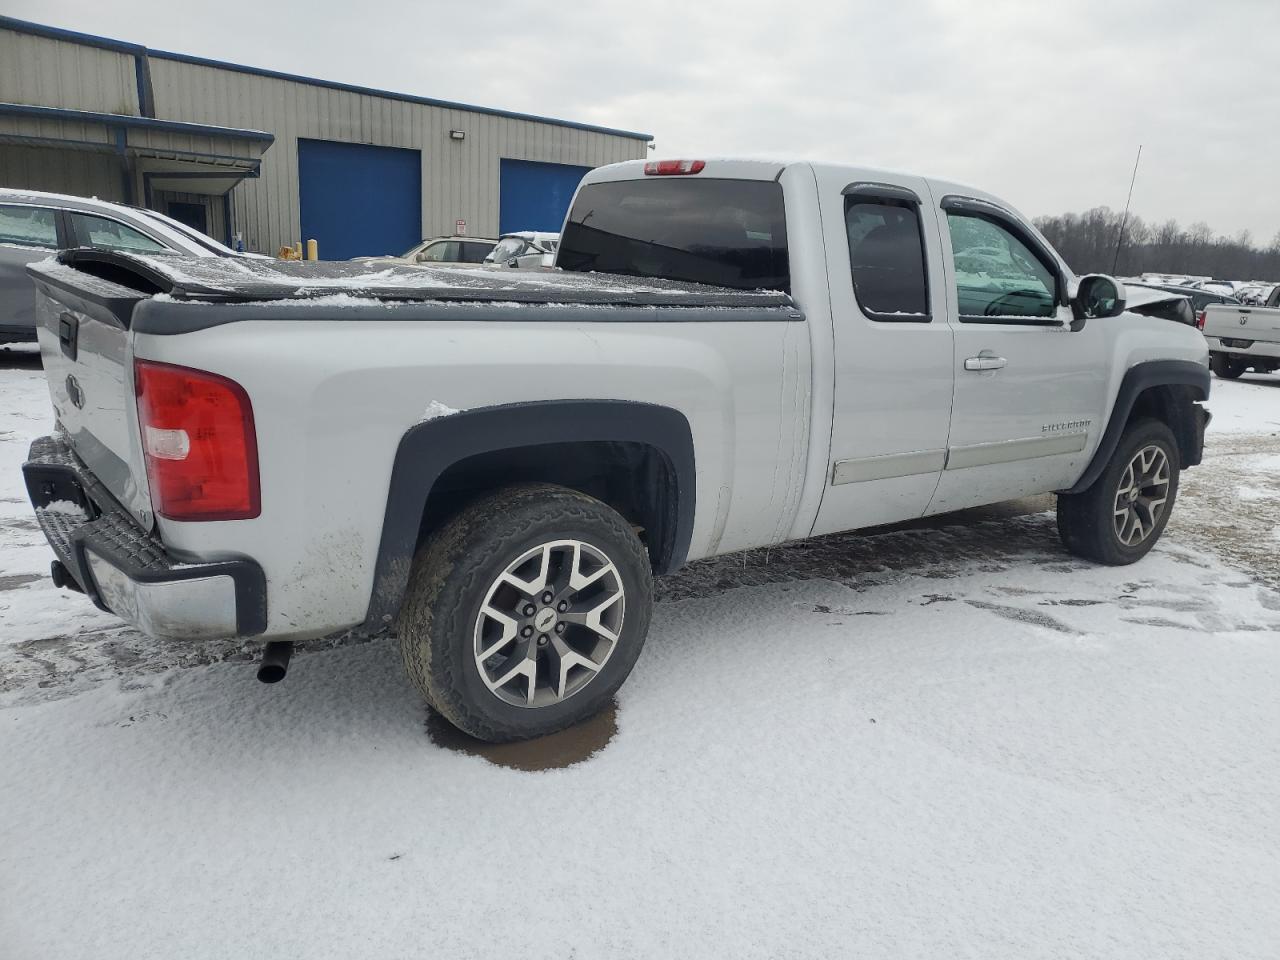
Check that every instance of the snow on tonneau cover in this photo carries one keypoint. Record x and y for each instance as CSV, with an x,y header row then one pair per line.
x,y
221,279
86,301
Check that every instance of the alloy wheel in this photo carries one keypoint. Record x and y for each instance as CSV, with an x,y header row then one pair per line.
x,y
549,623
1142,495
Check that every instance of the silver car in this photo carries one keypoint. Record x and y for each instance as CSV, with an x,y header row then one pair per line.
x,y
33,225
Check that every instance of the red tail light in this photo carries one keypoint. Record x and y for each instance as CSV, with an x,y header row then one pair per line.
x,y
673,168
1199,319
199,443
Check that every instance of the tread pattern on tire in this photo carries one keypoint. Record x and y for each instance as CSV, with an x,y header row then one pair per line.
x,y
447,570
1085,519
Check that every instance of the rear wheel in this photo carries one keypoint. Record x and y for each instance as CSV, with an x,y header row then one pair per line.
x,y
526,612
1118,519
1226,367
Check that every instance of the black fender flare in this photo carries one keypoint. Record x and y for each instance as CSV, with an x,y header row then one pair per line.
x,y
428,449
1138,378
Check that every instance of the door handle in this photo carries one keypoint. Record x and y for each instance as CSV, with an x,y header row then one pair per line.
x,y
985,361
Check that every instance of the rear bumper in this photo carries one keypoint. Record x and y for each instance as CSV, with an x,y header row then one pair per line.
x,y
127,571
1256,348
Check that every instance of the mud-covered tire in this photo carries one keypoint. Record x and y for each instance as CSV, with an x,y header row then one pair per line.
x,y
452,575
1224,366
1086,520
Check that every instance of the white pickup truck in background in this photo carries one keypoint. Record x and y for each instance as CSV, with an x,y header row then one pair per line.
x,y
495,464
1243,338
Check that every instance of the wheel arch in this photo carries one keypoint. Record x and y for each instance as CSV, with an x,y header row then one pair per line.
x,y
654,442
1166,390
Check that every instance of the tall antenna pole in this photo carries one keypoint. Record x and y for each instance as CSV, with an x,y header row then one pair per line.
x,y
1124,221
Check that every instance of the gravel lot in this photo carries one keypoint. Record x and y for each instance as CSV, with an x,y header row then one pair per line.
x,y
949,739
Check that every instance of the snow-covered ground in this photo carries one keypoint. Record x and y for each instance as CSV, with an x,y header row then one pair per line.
x,y
949,740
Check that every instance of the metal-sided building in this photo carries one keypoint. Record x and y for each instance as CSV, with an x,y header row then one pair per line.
x,y
267,158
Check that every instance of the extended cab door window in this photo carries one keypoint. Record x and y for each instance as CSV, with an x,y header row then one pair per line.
x,y
103,234
886,255
999,278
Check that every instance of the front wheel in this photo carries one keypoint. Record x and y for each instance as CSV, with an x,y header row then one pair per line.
x,y
1225,366
526,612
1121,516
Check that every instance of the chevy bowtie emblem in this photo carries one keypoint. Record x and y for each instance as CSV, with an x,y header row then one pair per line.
x,y
74,393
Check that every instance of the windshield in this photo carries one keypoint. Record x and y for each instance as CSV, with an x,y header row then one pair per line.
x,y
507,248
190,233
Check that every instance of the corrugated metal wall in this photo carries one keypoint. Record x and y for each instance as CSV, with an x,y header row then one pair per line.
x,y
58,73
459,179
81,172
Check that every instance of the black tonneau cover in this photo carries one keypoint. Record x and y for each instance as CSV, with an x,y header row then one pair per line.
x,y
252,280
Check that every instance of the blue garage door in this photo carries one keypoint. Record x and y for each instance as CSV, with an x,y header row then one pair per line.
x,y
357,200
535,196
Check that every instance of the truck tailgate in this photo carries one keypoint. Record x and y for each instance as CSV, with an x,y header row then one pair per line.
x,y
1242,323
82,323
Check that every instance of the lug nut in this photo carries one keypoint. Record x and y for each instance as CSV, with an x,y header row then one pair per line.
x,y
562,606
542,640
530,610
548,597
527,632
559,628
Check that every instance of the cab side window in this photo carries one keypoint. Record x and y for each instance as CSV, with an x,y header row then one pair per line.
x,y
438,252
886,254
998,277
28,226
103,234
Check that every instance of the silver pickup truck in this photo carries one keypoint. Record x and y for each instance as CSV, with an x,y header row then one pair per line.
x,y
494,465
1243,338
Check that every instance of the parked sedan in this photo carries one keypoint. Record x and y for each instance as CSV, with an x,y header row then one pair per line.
x,y
441,250
33,225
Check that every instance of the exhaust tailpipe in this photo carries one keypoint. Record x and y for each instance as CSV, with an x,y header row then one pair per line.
x,y
275,661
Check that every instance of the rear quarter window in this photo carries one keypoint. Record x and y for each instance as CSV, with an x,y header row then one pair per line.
x,y
28,226
731,233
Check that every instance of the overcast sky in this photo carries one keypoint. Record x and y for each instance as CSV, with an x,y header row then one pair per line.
x,y
1044,104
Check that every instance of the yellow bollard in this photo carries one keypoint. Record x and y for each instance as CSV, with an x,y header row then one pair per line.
x,y
313,250
297,250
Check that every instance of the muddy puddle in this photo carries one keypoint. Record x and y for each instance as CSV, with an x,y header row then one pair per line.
x,y
553,752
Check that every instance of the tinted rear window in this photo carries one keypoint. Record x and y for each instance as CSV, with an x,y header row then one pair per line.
x,y
732,233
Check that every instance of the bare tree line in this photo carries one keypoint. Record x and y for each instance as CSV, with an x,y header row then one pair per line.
x,y
1087,241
